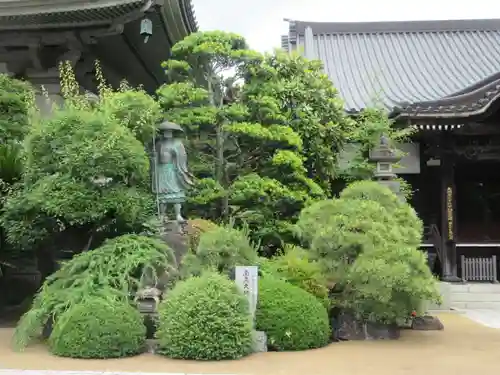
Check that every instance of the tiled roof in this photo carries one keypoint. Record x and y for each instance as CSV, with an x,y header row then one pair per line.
x,y
57,13
438,65
34,14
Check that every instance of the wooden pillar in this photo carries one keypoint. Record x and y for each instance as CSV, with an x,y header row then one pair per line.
x,y
448,216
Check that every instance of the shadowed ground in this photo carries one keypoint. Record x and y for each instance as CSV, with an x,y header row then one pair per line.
x,y
464,347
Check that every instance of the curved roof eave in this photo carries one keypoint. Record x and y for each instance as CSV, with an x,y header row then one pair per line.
x,y
476,100
53,14
178,19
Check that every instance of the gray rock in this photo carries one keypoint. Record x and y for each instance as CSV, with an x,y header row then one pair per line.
x,y
427,323
175,236
347,327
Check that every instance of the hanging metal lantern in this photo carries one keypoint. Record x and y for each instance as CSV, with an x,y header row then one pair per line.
x,y
146,29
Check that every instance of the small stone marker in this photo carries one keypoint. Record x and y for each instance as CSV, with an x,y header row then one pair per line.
x,y
246,278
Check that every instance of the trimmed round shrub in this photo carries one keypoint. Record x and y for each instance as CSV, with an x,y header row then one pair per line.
x,y
292,318
98,328
205,318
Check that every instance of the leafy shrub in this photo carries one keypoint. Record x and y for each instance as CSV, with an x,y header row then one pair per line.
x,y
292,318
115,270
205,318
357,226
296,267
98,328
314,216
17,102
388,284
86,144
366,242
134,109
405,216
220,249
196,227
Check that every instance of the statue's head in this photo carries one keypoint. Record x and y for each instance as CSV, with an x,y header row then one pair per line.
x,y
168,129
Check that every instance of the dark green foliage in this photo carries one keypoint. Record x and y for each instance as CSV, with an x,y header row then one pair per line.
x,y
85,172
98,328
264,148
220,249
114,271
98,144
299,92
16,107
16,110
205,318
292,318
295,266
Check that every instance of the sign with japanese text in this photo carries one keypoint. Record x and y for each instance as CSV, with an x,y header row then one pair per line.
x,y
246,278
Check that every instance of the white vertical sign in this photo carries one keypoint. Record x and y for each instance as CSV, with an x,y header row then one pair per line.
x,y
246,278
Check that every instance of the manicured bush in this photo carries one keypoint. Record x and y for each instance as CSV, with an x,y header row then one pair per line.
x,y
98,328
220,249
114,270
357,226
388,284
405,216
295,266
292,318
205,318
315,216
367,243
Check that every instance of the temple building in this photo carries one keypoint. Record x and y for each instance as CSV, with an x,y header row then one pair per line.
x,y
443,77
129,37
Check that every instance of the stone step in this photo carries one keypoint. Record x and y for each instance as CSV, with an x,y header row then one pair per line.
x,y
475,297
476,305
475,288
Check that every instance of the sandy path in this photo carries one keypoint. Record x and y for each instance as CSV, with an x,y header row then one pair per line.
x,y
464,347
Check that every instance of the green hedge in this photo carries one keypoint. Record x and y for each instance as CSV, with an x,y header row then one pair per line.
x,y
205,318
292,318
98,328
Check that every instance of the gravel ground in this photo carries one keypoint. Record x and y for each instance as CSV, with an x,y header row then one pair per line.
x,y
463,348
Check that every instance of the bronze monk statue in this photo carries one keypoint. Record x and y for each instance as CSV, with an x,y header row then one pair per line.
x,y
170,175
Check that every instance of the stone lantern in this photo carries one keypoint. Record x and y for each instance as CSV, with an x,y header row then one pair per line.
x,y
147,300
385,157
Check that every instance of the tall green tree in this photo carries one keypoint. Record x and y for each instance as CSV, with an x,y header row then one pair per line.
x,y
201,68
240,135
308,102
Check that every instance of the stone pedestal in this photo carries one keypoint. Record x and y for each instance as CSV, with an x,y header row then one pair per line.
x,y
174,234
259,341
